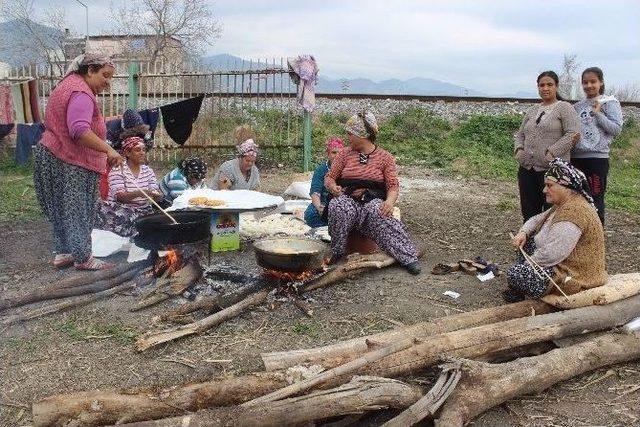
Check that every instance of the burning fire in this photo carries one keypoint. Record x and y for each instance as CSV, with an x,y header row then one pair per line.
x,y
289,276
169,264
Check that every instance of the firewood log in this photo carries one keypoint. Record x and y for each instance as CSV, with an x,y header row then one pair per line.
x,y
343,351
360,395
485,385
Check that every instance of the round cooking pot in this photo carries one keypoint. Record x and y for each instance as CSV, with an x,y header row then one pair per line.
x,y
290,254
157,230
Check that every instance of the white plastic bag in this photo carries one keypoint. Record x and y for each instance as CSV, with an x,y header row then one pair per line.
x,y
300,189
105,243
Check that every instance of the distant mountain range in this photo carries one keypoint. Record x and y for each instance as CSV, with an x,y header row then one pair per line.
x,y
414,86
12,34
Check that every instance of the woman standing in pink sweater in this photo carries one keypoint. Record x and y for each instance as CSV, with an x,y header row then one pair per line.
x,y
71,156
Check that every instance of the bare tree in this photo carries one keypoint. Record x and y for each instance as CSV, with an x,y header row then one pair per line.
x,y
37,35
172,27
627,92
569,84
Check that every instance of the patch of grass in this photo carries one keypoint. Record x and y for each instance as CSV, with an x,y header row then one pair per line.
x,y
309,328
21,345
17,195
80,330
507,205
623,183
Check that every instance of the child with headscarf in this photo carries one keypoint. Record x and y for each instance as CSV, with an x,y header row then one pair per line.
x,y
125,202
189,175
565,242
240,173
319,193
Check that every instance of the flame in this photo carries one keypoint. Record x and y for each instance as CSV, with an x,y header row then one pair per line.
x,y
289,276
168,264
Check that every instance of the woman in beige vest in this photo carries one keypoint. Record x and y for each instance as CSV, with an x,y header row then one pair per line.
x,y
566,241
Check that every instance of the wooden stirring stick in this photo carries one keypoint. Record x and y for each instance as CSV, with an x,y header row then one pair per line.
x,y
153,201
537,266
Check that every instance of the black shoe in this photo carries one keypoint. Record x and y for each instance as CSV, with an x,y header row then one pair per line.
x,y
414,268
511,295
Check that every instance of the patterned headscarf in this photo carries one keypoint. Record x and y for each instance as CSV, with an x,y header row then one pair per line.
x,y
88,59
248,148
363,125
561,172
132,142
333,143
193,167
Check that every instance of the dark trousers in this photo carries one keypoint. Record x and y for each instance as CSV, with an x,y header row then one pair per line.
x,y
531,184
596,171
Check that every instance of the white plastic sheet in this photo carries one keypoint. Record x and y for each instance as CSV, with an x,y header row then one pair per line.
x,y
300,189
105,243
234,199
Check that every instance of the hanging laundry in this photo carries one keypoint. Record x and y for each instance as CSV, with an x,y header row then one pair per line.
x,y
178,118
33,100
149,116
6,105
5,129
27,136
26,102
304,72
18,106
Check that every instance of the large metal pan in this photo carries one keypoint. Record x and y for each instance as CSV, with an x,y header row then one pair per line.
x,y
290,254
157,230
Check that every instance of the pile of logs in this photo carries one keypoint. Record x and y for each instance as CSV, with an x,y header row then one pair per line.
x,y
361,374
76,291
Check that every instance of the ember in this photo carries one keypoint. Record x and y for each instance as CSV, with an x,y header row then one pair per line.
x,y
173,260
289,276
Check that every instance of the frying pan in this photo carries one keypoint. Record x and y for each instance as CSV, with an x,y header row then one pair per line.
x,y
157,230
293,254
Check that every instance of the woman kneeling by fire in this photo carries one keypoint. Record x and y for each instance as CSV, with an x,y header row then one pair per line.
x,y
564,243
363,181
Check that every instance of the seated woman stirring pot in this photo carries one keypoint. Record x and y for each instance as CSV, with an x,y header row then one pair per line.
x,y
363,181
125,202
565,242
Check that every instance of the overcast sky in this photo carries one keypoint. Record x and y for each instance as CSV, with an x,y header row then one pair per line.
x,y
494,46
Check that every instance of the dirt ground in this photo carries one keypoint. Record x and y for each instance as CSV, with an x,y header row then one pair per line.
x,y
452,218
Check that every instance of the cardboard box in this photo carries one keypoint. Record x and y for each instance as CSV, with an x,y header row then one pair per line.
x,y
225,231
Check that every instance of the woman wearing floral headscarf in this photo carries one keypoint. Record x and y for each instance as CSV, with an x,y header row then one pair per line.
x,y
363,181
71,156
566,241
240,173
189,175
125,202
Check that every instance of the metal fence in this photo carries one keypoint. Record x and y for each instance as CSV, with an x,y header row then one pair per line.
x,y
258,93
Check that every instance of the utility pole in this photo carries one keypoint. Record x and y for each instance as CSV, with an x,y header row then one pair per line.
x,y
86,9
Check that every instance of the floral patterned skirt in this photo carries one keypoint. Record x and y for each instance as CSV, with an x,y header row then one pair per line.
x,y
118,217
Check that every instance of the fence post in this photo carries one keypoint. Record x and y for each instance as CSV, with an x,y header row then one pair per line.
x,y
133,86
307,141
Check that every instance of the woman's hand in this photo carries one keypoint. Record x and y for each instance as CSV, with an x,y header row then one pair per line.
x,y
319,208
519,239
224,183
386,209
156,195
596,107
336,190
114,159
548,156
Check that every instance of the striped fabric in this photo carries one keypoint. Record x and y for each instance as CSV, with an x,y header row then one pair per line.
x,y
380,167
174,184
122,180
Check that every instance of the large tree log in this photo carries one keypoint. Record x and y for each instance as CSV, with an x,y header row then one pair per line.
x,y
76,285
401,357
96,408
360,395
619,286
153,338
485,385
341,352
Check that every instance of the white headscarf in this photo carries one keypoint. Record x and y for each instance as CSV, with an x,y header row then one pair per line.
x,y
88,59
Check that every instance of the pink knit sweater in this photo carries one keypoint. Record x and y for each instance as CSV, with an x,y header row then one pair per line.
x,y
57,137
